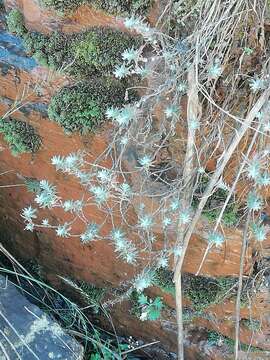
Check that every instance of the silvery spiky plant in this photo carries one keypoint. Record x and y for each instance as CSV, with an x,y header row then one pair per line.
x,y
160,146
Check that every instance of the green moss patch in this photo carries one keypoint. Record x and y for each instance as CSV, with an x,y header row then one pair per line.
x,y
80,54
60,5
114,7
232,214
92,55
20,136
100,49
15,22
203,291
123,7
164,280
82,107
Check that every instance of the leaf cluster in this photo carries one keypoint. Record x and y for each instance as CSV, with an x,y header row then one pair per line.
x,y
145,308
151,309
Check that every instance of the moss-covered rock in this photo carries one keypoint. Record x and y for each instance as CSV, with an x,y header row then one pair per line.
x,y
115,7
80,54
99,49
82,107
203,291
20,136
124,7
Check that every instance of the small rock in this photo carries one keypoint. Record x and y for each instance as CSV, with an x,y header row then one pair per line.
x,y
28,333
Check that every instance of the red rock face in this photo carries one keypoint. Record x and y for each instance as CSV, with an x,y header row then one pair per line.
x,y
46,20
96,263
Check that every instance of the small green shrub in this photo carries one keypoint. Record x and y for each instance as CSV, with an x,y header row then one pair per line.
x,y
164,280
203,291
115,7
81,54
82,107
20,136
15,22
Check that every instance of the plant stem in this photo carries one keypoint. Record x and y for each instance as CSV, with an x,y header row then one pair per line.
x,y
193,112
179,318
216,176
240,284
